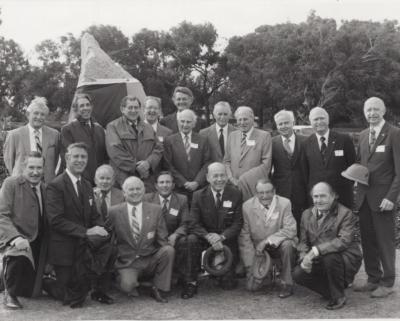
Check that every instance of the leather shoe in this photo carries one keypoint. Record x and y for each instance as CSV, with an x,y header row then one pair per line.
x,y
366,287
11,302
336,304
286,291
156,295
189,290
101,297
382,292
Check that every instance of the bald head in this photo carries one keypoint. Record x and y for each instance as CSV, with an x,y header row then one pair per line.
x,y
319,120
216,176
133,189
323,196
374,110
104,177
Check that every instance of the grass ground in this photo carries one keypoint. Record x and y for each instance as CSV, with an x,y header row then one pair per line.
x,y
214,303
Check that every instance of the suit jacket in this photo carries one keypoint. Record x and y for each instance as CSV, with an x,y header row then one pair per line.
x,y
176,159
205,218
288,173
279,226
178,211
117,197
125,148
383,163
95,139
171,122
162,132
153,233
334,235
254,163
20,216
210,133
340,154
68,219
17,146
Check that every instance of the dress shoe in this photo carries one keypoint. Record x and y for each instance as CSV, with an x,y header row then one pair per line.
x,y
382,292
101,297
336,304
189,290
11,302
366,287
156,295
286,291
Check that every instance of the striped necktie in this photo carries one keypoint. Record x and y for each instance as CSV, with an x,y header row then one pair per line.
x,y
372,138
135,224
286,145
187,146
37,141
243,143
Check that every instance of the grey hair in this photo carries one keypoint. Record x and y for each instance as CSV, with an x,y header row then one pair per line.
x,y
244,109
284,112
40,102
156,99
188,111
132,179
105,167
316,109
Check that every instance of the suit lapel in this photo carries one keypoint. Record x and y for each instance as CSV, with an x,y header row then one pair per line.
x,y
330,147
315,147
296,150
253,137
71,191
127,223
26,139
45,139
146,219
215,139
379,140
194,151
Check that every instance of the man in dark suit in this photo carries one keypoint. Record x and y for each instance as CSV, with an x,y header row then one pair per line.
x,y
187,155
379,151
329,255
142,242
85,129
182,99
217,134
23,232
288,173
216,219
75,225
326,154
152,113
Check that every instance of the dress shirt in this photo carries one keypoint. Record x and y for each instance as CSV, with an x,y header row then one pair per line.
x,y
248,134
184,135
74,179
39,195
326,139
378,128
154,125
291,142
215,195
266,212
138,213
162,198
32,140
224,131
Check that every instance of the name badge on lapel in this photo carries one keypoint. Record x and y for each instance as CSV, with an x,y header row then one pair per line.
x,y
160,138
173,211
193,145
150,235
339,152
380,149
251,143
227,204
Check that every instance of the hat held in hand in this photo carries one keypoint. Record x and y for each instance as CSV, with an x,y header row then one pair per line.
x,y
357,173
217,263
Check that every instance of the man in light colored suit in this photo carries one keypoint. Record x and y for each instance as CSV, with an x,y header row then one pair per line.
x,y
35,136
23,232
142,242
217,134
379,151
268,224
248,153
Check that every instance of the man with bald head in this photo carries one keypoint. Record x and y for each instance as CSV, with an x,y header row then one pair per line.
x,y
326,154
186,155
248,153
217,134
379,151
141,238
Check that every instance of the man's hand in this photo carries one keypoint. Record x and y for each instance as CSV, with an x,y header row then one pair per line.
x,y
260,247
191,186
218,246
307,262
143,167
213,238
172,239
20,243
97,230
386,205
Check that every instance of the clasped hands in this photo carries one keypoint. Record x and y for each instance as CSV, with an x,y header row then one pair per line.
x,y
263,244
97,230
143,168
215,240
191,186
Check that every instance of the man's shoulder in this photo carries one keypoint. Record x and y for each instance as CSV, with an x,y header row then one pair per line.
x,y
261,133
148,197
249,203
233,190
58,180
117,208
50,131
283,201
12,181
206,131
115,123
17,131
151,207
163,130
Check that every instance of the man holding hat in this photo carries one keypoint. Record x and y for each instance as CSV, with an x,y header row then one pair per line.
x,y
269,229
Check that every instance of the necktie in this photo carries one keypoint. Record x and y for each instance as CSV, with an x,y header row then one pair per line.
x,y
37,141
135,224
243,143
219,201
286,145
372,139
221,141
187,146
133,124
103,204
165,206
80,190
323,148
35,191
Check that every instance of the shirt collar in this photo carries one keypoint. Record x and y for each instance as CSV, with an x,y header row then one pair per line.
x,y
248,134
218,128
215,193
73,178
183,136
378,127
138,207
154,125
291,138
326,137
32,130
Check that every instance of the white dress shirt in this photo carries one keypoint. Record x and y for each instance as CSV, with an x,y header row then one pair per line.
x,y
184,135
378,128
154,125
215,195
162,198
224,131
32,140
292,141
326,139
74,179
248,134
138,213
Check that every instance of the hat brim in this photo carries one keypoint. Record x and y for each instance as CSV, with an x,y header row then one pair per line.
x,y
209,254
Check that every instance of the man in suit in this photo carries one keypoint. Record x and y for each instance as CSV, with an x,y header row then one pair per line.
x,y
379,151
217,134
248,153
23,232
215,219
152,113
142,242
132,145
182,99
288,173
75,227
186,155
329,256
326,154
268,225
35,136
85,129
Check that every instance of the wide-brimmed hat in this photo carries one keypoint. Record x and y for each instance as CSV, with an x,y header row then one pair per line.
x,y
217,263
261,265
357,173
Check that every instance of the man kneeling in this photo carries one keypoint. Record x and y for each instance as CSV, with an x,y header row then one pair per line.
x,y
329,255
269,225
142,242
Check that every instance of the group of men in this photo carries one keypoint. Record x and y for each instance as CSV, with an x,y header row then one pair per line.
x,y
256,200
